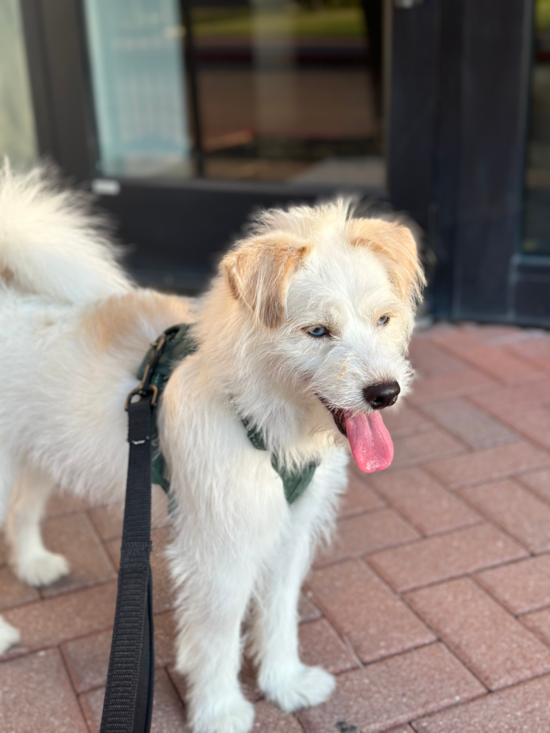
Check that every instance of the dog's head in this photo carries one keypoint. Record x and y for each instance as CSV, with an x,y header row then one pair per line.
x,y
334,299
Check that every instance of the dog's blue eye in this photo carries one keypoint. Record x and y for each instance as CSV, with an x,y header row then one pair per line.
x,y
318,331
383,320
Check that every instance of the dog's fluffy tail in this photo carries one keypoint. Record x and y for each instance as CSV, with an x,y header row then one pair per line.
x,y
50,244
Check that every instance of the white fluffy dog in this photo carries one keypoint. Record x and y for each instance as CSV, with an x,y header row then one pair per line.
x,y
304,334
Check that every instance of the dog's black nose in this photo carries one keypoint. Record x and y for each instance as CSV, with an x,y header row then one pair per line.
x,y
382,395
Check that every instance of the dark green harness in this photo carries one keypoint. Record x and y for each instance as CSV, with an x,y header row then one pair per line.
x,y
178,343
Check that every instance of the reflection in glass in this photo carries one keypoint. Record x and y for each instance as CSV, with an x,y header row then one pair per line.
x,y
17,133
253,90
290,91
138,85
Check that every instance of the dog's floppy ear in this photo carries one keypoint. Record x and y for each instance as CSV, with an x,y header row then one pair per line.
x,y
258,271
395,244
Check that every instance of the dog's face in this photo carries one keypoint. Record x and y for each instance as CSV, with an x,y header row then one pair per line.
x,y
336,304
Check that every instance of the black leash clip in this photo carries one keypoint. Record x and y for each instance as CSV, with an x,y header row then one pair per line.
x,y
145,388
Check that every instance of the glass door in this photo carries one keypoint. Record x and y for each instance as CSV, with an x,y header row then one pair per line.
x,y
290,91
203,110
187,115
238,90
139,95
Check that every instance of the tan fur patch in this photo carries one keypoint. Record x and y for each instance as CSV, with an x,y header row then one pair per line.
x,y
6,274
116,321
258,272
396,246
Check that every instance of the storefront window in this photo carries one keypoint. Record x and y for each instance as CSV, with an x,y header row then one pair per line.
x,y
243,90
17,132
138,87
290,91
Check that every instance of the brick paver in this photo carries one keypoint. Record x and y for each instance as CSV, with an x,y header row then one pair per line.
x,y
469,423
445,556
403,420
356,536
494,645
427,505
419,448
500,402
15,593
36,696
533,348
539,622
455,384
67,535
366,612
537,481
54,620
359,498
321,644
489,465
432,607
269,718
521,709
501,365
524,516
521,586
430,360
307,610
392,691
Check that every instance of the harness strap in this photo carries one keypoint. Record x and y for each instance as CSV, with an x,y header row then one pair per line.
x,y
177,343
294,482
128,704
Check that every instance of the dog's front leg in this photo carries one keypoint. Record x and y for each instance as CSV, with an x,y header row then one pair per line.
x,y
215,591
282,676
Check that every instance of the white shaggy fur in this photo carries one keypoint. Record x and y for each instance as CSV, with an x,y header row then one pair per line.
x,y
74,331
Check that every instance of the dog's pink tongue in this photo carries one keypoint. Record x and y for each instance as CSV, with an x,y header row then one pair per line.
x,y
371,444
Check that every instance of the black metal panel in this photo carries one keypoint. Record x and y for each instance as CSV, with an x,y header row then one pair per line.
x,y
412,110
492,111
59,82
38,76
457,140
530,285
176,232
532,301
446,156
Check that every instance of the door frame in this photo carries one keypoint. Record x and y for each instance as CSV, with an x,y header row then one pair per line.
x,y
459,119
457,95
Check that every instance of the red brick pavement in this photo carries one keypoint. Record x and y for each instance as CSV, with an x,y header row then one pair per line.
x,y
432,607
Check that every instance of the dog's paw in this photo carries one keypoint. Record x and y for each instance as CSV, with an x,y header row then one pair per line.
x,y
8,635
233,716
301,688
44,568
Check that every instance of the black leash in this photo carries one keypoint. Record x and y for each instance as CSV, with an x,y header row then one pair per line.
x,y
128,704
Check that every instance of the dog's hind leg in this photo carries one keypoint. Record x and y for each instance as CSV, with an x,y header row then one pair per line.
x,y
32,562
282,677
9,635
